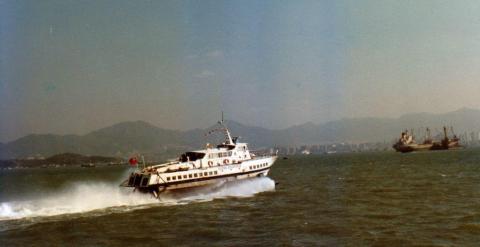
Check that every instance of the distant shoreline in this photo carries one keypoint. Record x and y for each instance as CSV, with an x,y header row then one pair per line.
x,y
62,160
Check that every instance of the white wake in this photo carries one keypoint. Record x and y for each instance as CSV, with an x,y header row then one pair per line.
x,y
81,197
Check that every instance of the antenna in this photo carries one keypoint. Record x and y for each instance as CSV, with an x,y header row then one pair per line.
x,y
222,116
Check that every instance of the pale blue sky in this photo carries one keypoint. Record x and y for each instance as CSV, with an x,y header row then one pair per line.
x,y
75,66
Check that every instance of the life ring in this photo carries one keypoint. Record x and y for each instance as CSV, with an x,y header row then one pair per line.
x,y
210,163
226,161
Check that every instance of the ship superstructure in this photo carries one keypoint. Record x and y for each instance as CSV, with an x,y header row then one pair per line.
x,y
229,160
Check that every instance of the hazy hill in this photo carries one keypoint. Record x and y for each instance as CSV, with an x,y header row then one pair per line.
x,y
126,138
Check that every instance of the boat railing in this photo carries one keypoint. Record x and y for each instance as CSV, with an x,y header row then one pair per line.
x,y
262,153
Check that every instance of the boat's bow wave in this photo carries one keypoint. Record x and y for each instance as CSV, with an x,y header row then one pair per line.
x,y
102,198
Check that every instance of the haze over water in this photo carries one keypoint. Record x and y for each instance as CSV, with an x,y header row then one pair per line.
x,y
379,199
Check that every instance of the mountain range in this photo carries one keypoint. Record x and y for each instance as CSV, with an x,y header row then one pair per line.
x,y
126,138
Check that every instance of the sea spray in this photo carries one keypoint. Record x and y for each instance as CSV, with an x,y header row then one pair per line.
x,y
83,197
77,198
238,188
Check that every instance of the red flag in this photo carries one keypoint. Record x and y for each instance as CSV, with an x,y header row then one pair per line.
x,y
133,161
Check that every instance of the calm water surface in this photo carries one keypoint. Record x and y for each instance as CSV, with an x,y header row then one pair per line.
x,y
382,199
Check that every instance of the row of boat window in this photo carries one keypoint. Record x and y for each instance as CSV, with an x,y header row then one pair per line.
x,y
220,155
192,175
258,166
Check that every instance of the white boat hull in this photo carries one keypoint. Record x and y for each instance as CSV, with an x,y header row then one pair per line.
x,y
155,183
188,185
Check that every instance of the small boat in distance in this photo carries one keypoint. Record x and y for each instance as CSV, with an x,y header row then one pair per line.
x,y
89,165
407,143
230,160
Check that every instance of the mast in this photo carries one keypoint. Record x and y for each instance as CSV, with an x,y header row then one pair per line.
x,y
228,137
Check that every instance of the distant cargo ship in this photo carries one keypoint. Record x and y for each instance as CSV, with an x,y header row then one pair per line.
x,y
407,143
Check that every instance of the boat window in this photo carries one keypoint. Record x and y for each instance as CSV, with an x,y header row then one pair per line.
x,y
179,177
168,178
195,175
191,156
210,173
205,173
184,176
200,174
215,172
190,175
